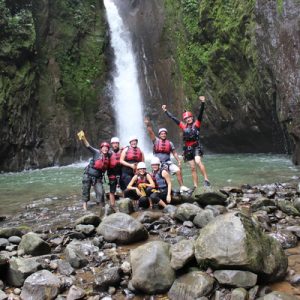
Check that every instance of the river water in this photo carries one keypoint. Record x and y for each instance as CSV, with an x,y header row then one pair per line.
x,y
18,190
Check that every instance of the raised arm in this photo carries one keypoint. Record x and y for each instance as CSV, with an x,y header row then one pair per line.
x,y
149,129
81,137
164,108
200,115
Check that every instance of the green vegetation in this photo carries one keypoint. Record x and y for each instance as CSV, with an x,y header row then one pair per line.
x,y
17,39
214,48
80,28
280,6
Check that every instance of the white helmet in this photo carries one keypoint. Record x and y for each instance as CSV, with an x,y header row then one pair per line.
x,y
141,165
155,161
133,138
114,140
161,130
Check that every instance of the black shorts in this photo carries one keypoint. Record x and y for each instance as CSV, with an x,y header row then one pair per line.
x,y
189,153
160,195
114,182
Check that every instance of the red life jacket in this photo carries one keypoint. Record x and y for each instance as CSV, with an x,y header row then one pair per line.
x,y
133,155
162,146
101,163
191,134
141,179
114,159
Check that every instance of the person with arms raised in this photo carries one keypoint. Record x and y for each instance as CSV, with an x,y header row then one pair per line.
x,y
191,137
94,171
162,148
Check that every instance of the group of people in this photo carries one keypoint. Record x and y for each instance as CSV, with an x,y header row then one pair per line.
x,y
126,168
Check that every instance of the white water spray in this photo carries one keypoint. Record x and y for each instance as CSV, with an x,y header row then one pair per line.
x,y
126,93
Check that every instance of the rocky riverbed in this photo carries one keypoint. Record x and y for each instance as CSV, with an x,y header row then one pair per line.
x,y
234,243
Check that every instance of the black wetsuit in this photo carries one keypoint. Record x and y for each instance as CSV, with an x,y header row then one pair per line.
x,y
191,137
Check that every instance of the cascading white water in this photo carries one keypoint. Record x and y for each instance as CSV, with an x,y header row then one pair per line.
x,y
126,93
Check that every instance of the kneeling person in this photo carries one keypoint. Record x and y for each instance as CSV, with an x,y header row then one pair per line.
x,y
163,184
140,187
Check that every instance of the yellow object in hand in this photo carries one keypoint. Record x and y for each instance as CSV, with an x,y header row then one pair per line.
x,y
80,135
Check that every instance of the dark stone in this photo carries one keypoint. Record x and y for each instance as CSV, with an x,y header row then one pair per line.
x,y
211,198
88,220
32,244
106,278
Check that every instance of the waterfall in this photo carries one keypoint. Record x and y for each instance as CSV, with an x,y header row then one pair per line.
x,y
127,99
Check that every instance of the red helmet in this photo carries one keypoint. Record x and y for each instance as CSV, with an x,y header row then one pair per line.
x,y
104,144
186,114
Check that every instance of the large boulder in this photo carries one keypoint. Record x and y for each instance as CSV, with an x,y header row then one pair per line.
x,y
41,285
151,270
233,241
187,212
19,269
181,253
32,244
122,228
211,198
191,286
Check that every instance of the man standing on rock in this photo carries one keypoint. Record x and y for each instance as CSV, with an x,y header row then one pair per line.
x,y
191,138
94,171
130,157
162,148
114,171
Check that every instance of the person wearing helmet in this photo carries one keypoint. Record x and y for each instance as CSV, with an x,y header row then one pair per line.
x,y
114,170
163,184
130,157
162,148
140,187
94,171
191,138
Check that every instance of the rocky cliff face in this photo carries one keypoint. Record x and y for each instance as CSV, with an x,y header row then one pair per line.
x,y
278,42
53,72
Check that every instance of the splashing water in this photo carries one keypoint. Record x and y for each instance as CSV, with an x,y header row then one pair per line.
x,y
126,93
